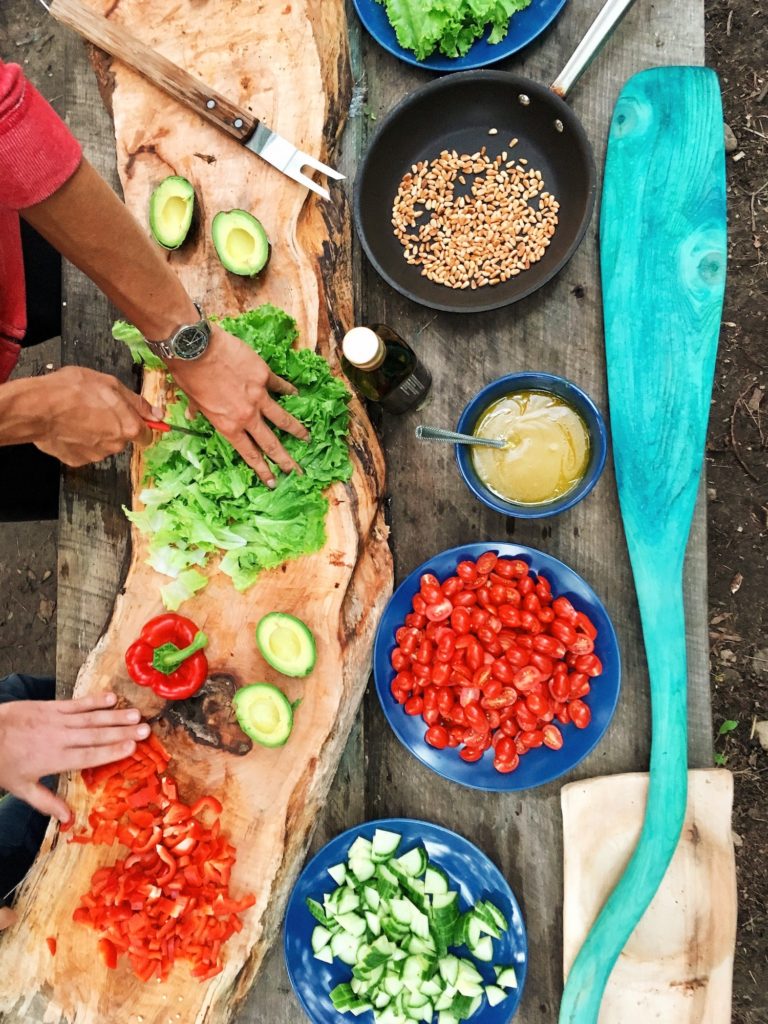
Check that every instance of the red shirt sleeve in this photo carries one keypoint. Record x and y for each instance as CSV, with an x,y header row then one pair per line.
x,y
38,153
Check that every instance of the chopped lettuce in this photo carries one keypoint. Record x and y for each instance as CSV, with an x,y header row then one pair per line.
x,y
451,26
201,499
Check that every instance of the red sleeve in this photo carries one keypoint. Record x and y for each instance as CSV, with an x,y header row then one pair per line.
x,y
38,153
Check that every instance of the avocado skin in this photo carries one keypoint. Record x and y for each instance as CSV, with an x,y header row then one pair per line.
x,y
242,702
308,655
226,220
174,184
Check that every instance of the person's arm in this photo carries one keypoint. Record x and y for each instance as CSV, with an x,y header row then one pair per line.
x,y
87,223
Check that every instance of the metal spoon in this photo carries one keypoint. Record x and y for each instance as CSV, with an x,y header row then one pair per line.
x,y
436,434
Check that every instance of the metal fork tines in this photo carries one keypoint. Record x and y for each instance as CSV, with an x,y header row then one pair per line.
x,y
287,158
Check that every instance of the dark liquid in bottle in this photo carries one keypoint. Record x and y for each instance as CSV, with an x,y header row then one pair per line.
x,y
400,382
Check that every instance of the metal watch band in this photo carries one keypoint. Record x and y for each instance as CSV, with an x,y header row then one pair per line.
x,y
165,349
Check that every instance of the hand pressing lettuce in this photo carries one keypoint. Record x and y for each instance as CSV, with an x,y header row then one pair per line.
x,y
202,499
451,26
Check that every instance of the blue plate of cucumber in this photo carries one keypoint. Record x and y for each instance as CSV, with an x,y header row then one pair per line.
x,y
397,921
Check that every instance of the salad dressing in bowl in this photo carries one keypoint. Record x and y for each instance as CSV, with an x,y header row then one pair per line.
x,y
547,451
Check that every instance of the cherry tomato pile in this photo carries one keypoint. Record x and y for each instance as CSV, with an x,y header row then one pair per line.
x,y
169,898
489,658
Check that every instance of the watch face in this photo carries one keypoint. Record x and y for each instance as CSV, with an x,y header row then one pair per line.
x,y
191,342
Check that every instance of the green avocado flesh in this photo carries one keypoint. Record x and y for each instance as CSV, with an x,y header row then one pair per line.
x,y
287,644
264,713
171,207
241,242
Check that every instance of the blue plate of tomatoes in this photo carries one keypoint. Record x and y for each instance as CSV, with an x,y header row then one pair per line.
x,y
466,672
524,27
469,871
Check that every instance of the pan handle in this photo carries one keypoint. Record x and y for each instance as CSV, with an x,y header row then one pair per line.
x,y
597,35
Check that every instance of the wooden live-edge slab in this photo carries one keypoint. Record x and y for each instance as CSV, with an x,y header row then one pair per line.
x,y
94,548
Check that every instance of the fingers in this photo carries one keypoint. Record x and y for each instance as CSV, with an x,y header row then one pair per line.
x,y
91,757
8,917
90,702
280,386
48,803
192,409
269,444
101,719
136,428
276,414
105,736
244,446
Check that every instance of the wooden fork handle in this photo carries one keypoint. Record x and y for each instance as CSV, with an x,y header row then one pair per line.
x,y
162,72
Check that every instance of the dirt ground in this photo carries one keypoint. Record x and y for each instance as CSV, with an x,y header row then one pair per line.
x,y
737,468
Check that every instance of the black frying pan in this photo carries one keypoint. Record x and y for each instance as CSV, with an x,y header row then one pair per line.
x,y
456,112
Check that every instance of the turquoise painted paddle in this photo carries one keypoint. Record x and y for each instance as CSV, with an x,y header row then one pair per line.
x,y
663,257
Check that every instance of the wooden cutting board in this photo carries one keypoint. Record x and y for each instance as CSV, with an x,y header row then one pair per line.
x,y
678,965
288,62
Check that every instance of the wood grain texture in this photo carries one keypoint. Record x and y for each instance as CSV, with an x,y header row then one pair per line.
x,y
558,330
663,251
272,798
678,964
118,42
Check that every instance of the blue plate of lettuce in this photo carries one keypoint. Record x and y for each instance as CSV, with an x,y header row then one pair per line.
x,y
456,35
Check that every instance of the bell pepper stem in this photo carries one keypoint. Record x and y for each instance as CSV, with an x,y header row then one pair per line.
x,y
168,657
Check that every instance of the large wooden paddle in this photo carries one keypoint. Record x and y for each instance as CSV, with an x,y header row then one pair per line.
x,y
663,258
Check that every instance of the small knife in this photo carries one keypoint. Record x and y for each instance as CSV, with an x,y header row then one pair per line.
x,y
190,91
165,428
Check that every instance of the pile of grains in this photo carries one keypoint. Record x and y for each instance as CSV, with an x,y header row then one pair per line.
x,y
488,232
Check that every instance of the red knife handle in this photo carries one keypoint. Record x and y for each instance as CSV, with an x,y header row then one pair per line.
x,y
159,425
162,72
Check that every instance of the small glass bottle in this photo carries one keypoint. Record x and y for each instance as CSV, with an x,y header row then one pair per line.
x,y
384,368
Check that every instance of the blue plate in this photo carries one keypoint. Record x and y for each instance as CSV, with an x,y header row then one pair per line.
x,y
470,872
524,27
541,764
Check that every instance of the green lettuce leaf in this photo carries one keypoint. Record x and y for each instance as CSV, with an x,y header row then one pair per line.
x,y
201,499
450,26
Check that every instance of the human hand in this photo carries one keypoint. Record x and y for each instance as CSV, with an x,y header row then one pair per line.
x,y
230,384
86,416
45,737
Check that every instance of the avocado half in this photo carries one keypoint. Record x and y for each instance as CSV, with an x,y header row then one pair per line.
x,y
264,713
171,208
241,242
287,644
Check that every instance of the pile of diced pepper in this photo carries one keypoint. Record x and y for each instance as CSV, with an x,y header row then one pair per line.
x,y
169,898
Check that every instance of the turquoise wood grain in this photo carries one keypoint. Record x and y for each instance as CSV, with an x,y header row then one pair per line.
x,y
663,260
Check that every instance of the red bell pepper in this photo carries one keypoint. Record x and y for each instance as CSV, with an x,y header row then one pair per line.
x,y
168,657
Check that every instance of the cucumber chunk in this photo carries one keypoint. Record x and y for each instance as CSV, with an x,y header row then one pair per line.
x,y
320,937
495,995
384,844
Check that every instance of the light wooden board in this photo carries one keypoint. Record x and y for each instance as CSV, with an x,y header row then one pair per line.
x,y
272,798
678,964
559,329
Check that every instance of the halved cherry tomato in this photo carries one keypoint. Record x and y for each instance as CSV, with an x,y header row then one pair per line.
x,y
581,716
486,562
553,738
436,736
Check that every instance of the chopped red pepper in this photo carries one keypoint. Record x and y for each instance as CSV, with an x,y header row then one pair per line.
x,y
51,944
169,898
168,657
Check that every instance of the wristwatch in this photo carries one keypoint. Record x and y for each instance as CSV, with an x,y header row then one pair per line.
x,y
187,342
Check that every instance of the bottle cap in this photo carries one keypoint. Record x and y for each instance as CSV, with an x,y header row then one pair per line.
x,y
362,346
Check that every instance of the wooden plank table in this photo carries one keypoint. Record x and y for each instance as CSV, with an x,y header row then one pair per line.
x,y
558,330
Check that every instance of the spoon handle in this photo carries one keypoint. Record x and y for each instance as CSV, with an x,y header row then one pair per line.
x,y
437,434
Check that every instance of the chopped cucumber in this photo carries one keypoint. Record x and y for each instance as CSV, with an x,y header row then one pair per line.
x,y
494,995
384,844
320,937
392,920
414,863
338,873
507,978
